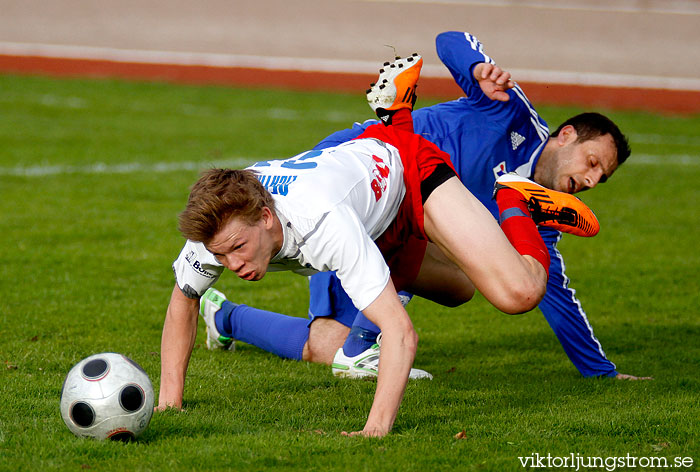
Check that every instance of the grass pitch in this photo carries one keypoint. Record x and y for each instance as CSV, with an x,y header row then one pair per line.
x,y
92,176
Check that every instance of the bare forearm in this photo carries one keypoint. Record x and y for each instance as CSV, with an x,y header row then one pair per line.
x,y
179,333
399,343
395,361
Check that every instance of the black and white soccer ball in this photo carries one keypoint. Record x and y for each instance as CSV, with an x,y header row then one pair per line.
x,y
107,396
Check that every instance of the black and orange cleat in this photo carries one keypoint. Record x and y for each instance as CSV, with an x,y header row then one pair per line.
x,y
395,88
558,210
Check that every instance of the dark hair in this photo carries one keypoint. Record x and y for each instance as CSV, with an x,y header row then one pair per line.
x,y
591,125
218,195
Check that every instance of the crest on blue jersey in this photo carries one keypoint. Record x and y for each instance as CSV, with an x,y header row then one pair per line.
x,y
500,169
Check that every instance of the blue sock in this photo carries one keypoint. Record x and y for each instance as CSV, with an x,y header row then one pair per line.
x,y
405,297
282,335
363,334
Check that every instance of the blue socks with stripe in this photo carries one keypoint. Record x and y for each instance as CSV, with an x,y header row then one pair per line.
x,y
286,336
282,335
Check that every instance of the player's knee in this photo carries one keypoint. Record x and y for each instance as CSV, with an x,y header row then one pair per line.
x,y
522,297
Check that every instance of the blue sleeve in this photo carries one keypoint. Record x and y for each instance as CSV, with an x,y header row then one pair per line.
x,y
567,319
460,52
344,135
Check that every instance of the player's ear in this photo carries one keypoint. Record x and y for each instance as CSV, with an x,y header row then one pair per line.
x,y
567,135
267,217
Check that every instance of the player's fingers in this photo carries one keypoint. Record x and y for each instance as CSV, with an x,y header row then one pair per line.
x,y
501,96
496,73
502,78
486,70
167,407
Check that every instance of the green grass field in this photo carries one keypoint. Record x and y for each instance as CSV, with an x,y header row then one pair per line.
x,y
92,176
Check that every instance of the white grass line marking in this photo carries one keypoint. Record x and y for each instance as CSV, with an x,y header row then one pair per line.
x,y
666,160
126,168
240,162
312,64
678,140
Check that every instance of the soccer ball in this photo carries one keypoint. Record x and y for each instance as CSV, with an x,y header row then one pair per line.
x,y
107,396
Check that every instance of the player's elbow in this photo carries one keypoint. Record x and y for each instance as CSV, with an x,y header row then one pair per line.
x,y
409,339
446,40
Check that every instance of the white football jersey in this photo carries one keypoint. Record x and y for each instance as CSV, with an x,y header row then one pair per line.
x,y
332,205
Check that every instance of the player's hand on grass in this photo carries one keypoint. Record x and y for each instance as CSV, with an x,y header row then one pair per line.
x,y
494,81
367,433
167,406
632,377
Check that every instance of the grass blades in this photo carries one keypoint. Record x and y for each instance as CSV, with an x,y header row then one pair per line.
x,y
92,176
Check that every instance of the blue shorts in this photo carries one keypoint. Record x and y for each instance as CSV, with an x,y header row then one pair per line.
x,y
328,299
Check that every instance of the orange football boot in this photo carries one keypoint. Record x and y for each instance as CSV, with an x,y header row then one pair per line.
x,y
558,210
396,86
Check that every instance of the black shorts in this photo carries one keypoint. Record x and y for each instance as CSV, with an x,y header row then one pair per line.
x,y
440,175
